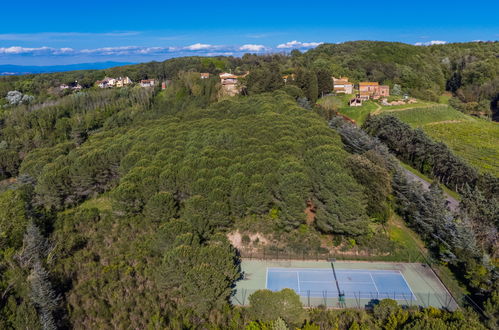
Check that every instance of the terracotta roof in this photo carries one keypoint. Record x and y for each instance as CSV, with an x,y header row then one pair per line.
x,y
367,83
228,76
343,80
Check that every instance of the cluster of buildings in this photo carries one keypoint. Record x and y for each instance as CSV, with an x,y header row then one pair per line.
x,y
113,82
366,90
73,86
125,81
230,86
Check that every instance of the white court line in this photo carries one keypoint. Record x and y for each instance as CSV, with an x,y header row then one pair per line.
x,y
338,281
342,271
372,279
298,280
403,277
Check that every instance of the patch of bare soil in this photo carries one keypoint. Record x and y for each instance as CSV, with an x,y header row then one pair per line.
x,y
7,182
236,239
310,211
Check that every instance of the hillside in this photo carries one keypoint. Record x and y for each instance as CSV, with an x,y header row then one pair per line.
x,y
119,206
190,175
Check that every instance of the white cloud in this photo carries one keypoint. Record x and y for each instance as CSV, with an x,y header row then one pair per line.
x,y
430,43
252,48
15,50
126,50
199,46
299,44
169,51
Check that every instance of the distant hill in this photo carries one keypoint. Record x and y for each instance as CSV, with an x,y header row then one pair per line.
x,y
8,69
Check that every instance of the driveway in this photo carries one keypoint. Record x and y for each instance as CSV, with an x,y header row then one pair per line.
x,y
452,202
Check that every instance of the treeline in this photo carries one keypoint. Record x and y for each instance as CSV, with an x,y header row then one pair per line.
x,y
467,70
283,309
465,241
66,122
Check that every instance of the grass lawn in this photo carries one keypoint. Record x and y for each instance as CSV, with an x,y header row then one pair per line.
x,y
410,245
359,114
340,103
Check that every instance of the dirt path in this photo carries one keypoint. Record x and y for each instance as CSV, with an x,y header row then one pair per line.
x,y
453,203
376,112
445,122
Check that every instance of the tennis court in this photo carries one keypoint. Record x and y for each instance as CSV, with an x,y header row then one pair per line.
x,y
359,282
362,284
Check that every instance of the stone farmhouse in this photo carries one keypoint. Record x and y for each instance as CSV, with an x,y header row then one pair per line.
x,y
230,83
373,90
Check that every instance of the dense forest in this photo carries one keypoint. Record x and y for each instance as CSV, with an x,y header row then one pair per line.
x,y
116,204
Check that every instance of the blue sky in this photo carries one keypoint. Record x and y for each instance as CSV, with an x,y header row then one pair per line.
x,y
67,32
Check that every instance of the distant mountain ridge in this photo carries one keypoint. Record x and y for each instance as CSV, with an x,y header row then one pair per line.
x,y
9,69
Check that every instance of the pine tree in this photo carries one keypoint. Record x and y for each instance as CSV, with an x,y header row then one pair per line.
x,y
43,296
35,246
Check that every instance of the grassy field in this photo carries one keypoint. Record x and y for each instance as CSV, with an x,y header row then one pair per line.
x,y
359,114
429,115
420,116
475,140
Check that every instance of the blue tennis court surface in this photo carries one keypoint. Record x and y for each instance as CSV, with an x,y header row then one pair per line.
x,y
364,284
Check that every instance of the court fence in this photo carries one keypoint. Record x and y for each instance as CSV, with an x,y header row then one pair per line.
x,y
272,253
460,299
361,300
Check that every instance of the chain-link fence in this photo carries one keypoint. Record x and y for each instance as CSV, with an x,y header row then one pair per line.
x,y
282,254
359,299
